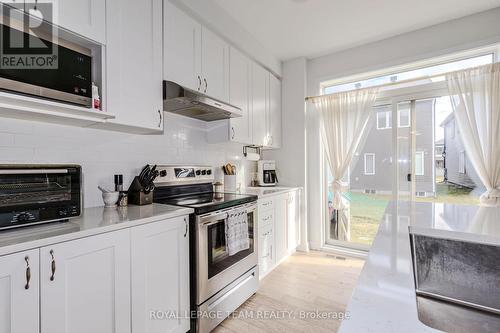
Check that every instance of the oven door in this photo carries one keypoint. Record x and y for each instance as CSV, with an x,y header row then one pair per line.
x,y
216,268
30,195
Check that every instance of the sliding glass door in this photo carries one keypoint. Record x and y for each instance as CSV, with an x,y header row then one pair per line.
x,y
414,152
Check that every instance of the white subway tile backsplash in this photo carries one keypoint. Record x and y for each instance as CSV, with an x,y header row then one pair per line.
x,y
105,153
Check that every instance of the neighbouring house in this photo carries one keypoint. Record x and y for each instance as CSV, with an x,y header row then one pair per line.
x,y
372,170
458,168
439,149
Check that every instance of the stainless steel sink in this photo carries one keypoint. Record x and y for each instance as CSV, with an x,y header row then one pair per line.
x,y
457,283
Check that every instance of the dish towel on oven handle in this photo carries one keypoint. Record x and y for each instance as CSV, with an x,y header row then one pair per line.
x,y
237,238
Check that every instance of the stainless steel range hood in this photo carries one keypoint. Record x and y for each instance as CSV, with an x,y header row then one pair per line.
x,y
193,104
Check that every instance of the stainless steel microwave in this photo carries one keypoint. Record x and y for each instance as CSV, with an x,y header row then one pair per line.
x,y
34,194
38,67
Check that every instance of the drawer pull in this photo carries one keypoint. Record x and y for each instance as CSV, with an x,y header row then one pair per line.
x,y
52,265
28,273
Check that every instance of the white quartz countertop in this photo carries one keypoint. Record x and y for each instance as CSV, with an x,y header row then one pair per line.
x,y
93,221
263,192
384,298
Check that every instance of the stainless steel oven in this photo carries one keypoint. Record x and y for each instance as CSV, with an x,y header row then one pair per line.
x,y
33,194
219,274
216,268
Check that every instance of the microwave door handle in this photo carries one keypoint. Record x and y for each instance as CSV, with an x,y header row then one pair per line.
x,y
31,171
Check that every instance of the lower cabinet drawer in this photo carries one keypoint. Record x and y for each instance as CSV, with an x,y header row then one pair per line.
x,y
266,204
266,218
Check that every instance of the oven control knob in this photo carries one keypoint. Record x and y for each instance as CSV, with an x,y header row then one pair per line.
x,y
63,212
209,172
204,172
198,172
163,173
23,217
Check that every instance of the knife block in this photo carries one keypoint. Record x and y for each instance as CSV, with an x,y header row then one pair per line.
x,y
137,194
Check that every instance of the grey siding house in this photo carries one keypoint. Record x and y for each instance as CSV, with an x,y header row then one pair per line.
x,y
458,169
373,168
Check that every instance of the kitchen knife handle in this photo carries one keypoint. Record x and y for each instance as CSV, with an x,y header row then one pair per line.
x,y
52,265
28,273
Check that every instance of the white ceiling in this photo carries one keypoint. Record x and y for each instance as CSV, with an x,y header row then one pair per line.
x,y
293,28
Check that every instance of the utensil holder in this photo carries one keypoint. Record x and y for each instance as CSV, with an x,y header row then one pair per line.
x,y
137,195
230,183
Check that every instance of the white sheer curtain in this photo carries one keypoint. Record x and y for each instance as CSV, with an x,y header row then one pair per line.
x,y
475,96
344,118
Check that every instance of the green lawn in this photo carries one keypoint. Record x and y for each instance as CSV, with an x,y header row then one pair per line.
x,y
367,209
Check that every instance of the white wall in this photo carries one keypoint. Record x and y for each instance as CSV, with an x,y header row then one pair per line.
x,y
290,163
458,35
210,14
104,153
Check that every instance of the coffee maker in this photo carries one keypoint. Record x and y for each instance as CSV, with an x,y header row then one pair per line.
x,y
266,171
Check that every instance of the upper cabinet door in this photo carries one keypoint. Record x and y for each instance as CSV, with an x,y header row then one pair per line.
x,y
215,65
85,285
160,275
260,91
182,48
274,117
84,17
134,63
239,95
19,296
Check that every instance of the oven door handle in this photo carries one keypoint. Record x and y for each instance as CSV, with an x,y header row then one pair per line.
x,y
215,218
31,171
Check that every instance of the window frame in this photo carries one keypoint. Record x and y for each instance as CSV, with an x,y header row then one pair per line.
x,y
388,122
373,164
461,163
422,163
399,118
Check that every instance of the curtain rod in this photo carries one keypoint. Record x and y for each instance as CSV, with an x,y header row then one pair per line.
x,y
400,82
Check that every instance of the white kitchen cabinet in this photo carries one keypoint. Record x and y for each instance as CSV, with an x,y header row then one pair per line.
x,y
85,285
266,250
281,226
194,56
293,220
181,47
19,298
160,275
274,112
239,95
83,17
260,104
215,65
134,65
279,229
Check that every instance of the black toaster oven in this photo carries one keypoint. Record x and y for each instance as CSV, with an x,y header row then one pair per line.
x,y
34,194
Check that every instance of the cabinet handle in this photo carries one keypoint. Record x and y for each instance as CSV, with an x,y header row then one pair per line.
x,y
28,273
206,85
52,265
233,133
199,83
161,118
186,231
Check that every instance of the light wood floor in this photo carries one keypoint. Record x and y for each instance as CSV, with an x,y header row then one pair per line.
x,y
304,283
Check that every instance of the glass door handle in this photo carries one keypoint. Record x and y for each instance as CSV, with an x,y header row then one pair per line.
x,y
408,177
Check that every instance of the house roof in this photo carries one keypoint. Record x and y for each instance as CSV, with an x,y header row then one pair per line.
x,y
450,117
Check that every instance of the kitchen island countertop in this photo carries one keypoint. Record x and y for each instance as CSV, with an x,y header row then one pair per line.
x,y
384,299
